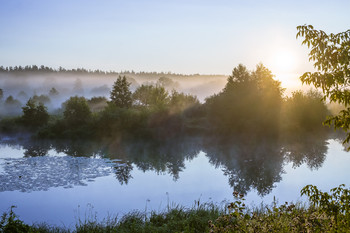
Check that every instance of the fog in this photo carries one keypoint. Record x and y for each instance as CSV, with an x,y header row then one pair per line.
x,y
53,88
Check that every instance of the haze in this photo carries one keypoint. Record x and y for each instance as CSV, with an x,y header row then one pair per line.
x,y
188,37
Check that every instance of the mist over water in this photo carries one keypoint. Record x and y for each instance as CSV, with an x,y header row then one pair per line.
x,y
24,85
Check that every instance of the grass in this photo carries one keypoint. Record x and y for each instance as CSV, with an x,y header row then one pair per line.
x,y
325,212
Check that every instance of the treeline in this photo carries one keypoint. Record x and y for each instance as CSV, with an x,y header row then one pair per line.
x,y
46,69
251,104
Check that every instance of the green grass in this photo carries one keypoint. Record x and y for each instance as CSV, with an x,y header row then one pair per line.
x,y
325,212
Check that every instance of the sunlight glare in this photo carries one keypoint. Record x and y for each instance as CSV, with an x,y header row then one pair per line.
x,y
284,61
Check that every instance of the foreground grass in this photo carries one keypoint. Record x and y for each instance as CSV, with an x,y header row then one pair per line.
x,y
326,212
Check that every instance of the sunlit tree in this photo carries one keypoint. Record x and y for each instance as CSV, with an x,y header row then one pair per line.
x,y
151,96
250,102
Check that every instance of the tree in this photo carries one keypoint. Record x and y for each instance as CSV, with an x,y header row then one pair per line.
x,y
331,56
53,92
120,94
151,96
12,102
97,104
77,111
304,112
167,83
249,103
180,101
34,114
44,99
1,94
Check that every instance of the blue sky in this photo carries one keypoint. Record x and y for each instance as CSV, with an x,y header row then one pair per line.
x,y
190,36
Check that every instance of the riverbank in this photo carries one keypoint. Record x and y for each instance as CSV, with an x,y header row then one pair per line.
x,y
325,212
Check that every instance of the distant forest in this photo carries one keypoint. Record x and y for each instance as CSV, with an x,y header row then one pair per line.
x,y
46,69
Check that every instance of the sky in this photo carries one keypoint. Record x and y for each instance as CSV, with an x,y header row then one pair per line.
x,y
180,36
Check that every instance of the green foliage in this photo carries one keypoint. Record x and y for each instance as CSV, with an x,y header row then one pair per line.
x,y
76,111
10,223
180,102
11,125
304,112
114,121
120,94
97,104
34,114
331,56
250,102
335,205
152,97
1,94
327,213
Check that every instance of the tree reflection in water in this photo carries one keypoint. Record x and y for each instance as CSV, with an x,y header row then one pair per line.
x,y
248,162
308,147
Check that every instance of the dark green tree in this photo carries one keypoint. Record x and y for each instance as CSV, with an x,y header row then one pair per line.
x,y
331,56
120,94
34,114
77,111
97,104
1,94
179,102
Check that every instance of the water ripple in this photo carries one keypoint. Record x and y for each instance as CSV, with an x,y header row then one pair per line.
x,y
42,173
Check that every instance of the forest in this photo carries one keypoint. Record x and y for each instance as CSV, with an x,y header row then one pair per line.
x,y
252,103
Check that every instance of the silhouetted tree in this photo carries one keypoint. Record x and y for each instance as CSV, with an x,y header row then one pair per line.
x,y
120,94
76,111
34,114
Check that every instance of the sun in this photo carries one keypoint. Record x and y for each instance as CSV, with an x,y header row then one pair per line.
x,y
283,61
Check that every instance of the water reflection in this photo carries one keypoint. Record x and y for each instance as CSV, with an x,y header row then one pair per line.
x,y
307,148
161,157
249,163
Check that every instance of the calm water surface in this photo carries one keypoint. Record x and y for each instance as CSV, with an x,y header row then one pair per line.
x,y
61,182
